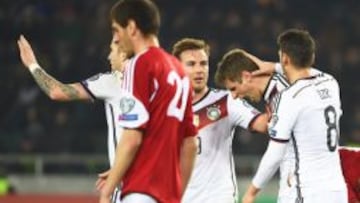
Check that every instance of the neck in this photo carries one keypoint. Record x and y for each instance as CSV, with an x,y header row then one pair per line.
x,y
197,95
293,74
143,43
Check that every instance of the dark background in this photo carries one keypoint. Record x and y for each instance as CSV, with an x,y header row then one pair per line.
x,y
71,39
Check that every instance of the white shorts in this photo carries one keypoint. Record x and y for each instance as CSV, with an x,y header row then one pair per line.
x,y
115,198
138,198
328,197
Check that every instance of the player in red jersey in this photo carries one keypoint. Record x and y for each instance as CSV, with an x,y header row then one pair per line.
x,y
350,163
156,153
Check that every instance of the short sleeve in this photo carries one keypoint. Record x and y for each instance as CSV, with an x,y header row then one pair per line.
x,y
138,84
102,85
241,113
283,118
132,112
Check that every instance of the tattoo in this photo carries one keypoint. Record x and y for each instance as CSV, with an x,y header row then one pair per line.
x,y
47,83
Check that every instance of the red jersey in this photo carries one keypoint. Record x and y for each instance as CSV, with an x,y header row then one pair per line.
x,y
158,102
350,163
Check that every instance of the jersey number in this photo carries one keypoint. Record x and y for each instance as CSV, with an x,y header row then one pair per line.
x,y
332,130
182,92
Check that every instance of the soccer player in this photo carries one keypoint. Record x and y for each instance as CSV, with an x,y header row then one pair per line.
x,y
156,152
303,130
103,86
216,115
350,163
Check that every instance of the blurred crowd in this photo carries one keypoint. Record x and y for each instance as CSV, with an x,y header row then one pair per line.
x,y
71,39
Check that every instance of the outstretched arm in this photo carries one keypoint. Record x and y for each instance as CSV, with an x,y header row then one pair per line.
x,y
55,89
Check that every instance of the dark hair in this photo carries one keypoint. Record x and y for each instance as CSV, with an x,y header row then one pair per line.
x,y
232,64
144,12
299,46
189,44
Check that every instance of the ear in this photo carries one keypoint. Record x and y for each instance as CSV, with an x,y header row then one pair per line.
x,y
131,28
246,76
285,59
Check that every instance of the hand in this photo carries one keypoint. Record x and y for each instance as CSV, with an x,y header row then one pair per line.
x,y
101,180
250,194
105,194
248,198
104,199
265,68
26,52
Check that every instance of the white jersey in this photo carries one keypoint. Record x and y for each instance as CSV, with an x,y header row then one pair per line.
x,y
306,115
213,179
107,87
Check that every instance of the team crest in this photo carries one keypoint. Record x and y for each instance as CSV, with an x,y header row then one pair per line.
x,y
213,113
126,105
196,120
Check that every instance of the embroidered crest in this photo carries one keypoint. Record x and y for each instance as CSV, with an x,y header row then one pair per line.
x,y
213,112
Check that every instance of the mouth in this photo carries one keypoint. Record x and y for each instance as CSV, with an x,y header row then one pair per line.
x,y
199,79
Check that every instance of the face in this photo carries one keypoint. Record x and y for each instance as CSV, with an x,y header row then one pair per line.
x,y
122,36
196,63
244,89
116,57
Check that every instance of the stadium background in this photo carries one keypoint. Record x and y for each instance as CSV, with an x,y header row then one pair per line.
x,y
57,148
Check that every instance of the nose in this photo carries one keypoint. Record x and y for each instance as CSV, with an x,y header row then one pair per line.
x,y
115,38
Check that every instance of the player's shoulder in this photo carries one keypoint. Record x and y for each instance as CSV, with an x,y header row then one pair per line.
x,y
211,97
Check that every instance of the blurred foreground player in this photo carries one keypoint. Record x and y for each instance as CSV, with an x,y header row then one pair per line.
x,y
156,152
350,163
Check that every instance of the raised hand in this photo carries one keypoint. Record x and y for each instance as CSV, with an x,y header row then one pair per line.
x,y
26,52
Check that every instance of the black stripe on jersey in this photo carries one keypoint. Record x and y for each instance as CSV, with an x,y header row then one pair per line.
x,y
202,98
282,80
278,140
115,196
84,85
299,198
301,89
268,85
276,103
320,82
233,176
113,126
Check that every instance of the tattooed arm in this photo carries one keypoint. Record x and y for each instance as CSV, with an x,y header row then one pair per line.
x,y
55,89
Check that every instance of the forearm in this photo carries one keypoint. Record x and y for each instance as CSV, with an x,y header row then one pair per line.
x,y
187,160
269,163
53,88
260,124
125,154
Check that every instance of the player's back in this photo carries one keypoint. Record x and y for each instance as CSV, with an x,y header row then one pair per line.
x,y
312,160
159,82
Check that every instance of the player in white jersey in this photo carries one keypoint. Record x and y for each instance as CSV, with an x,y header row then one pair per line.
x,y
103,86
305,128
216,114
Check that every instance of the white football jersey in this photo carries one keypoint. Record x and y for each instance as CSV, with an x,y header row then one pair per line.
x,y
306,115
107,87
213,179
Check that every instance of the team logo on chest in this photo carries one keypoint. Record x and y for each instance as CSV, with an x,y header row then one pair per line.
x,y
213,112
126,105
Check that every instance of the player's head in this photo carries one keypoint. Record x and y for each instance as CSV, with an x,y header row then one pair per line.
x,y
117,57
133,20
194,55
234,73
296,47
